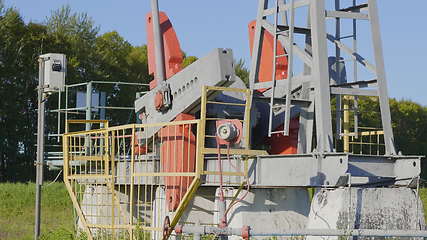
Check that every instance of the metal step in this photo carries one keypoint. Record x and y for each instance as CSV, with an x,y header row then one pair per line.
x,y
354,8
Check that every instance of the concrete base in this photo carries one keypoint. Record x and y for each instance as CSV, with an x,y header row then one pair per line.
x,y
366,208
96,205
267,209
199,211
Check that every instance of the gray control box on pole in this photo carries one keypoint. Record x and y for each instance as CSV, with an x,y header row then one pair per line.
x,y
55,68
52,70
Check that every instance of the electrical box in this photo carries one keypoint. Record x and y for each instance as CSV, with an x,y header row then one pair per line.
x,y
55,69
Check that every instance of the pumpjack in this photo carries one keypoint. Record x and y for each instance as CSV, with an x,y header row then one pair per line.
x,y
212,154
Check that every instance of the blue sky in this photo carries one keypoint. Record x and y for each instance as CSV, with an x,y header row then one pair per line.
x,y
202,25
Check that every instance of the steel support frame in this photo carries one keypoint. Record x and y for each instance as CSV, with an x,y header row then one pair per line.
x,y
320,74
315,58
381,77
330,170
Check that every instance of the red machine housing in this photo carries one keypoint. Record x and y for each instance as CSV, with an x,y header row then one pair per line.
x,y
172,50
281,144
177,154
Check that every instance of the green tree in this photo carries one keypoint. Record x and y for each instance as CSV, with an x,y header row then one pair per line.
x,y
188,60
19,46
241,71
74,34
119,61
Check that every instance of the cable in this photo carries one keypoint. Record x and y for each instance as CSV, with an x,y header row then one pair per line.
x,y
221,187
56,178
220,171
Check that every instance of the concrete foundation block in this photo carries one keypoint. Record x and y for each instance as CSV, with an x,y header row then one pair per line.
x,y
266,209
366,208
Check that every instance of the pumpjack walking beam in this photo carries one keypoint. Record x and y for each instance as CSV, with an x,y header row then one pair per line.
x,y
315,59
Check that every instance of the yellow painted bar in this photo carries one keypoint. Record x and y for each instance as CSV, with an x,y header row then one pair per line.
x,y
224,173
183,204
225,103
246,152
88,176
78,210
124,226
165,174
225,89
88,158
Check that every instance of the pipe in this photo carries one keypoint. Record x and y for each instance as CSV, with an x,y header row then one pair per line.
x,y
158,43
203,230
304,232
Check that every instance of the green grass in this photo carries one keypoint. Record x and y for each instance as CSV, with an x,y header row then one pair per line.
x,y
423,196
17,212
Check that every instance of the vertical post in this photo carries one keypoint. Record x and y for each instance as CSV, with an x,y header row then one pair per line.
x,y
40,148
132,183
290,71
305,132
355,73
381,78
88,104
59,117
257,44
320,75
346,124
66,109
341,99
158,43
339,108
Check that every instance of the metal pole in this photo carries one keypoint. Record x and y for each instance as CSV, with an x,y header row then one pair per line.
x,y
59,117
338,76
88,104
158,43
66,109
40,148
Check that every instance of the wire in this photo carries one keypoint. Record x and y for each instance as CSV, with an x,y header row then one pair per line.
x,y
220,170
235,200
238,200
56,178
221,187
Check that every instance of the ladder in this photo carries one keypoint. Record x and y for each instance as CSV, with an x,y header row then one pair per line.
x,y
314,84
289,32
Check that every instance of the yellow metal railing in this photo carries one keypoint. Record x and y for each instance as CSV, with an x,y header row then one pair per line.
x,y
367,141
101,123
113,176
125,181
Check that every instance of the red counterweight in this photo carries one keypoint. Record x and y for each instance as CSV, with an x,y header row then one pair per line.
x,y
266,60
177,155
172,50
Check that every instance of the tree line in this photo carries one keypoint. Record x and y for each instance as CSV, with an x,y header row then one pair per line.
x,y
109,57
91,57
